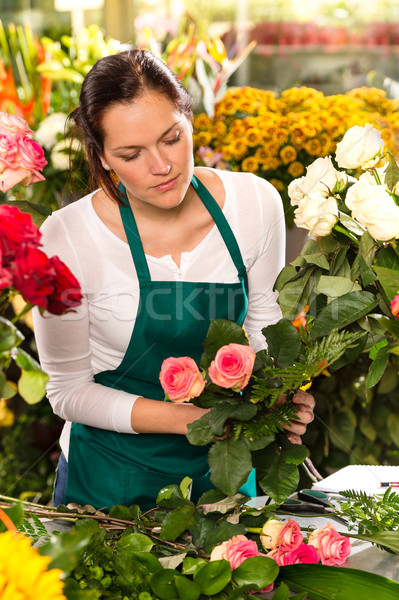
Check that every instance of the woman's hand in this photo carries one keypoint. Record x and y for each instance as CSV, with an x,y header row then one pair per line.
x,y
305,415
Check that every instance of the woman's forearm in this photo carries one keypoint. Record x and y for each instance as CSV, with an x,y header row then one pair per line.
x,y
153,416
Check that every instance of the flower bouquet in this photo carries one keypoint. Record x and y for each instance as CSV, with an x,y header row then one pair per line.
x,y
248,397
347,276
24,268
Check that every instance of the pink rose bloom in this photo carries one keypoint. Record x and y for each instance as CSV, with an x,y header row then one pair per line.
x,y
395,306
31,157
303,554
181,379
332,547
13,124
8,151
282,536
232,366
236,550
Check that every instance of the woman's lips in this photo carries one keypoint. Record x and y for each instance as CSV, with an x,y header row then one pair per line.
x,y
166,185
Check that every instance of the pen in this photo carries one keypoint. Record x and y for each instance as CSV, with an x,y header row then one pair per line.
x,y
390,484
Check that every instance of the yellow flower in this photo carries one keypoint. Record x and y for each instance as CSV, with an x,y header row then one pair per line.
x,y
277,183
250,164
288,154
203,138
6,415
202,121
23,571
313,147
239,149
253,137
295,169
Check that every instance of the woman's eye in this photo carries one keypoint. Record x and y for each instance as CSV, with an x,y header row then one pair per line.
x,y
132,157
173,140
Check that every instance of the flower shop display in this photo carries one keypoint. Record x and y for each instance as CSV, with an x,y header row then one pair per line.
x,y
279,137
25,269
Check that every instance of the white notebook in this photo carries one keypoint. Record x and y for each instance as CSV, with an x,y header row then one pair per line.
x,y
371,479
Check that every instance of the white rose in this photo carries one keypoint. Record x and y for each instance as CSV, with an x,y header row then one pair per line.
x,y
369,176
49,128
60,153
375,209
321,177
317,213
360,147
271,530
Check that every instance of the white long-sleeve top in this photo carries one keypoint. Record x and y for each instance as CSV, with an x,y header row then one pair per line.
x,y
75,346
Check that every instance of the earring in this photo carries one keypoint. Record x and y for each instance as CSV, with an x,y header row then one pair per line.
x,y
106,167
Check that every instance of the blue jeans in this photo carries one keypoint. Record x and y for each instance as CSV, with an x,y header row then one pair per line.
x,y
60,481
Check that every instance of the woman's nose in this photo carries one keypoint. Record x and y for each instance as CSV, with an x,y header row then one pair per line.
x,y
160,166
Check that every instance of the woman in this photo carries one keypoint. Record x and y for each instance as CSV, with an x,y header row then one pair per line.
x,y
159,248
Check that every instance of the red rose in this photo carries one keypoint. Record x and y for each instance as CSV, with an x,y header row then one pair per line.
x,y
33,276
17,230
66,292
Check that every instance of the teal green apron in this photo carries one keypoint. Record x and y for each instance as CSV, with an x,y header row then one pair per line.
x,y
106,467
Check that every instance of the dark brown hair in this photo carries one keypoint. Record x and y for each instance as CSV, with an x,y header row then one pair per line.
x,y
120,79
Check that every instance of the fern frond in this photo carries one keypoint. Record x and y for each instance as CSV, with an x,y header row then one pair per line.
x,y
331,347
280,381
268,422
34,529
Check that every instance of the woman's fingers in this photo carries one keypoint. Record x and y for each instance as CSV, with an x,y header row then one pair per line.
x,y
305,404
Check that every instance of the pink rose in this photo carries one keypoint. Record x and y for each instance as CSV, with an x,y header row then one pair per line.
x,y
31,157
181,379
8,151
395,306
281,536
13,124
236,551
332,547
303,554
232,366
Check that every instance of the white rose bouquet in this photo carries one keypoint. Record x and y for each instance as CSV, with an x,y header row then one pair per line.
x,y
347,275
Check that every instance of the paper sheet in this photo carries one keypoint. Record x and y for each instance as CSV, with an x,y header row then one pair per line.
x,y
364,478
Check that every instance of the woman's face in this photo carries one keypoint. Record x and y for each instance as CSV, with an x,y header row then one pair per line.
x,y
148,144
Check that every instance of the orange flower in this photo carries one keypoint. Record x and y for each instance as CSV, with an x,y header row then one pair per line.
x,y
300,319
395,306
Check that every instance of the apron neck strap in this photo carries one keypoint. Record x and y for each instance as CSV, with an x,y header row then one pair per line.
x,y
136,247
223,226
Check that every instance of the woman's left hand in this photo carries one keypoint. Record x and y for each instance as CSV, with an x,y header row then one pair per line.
x,y
305,415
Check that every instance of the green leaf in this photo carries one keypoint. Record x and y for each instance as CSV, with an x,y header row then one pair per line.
x,y
32,386
388,539
176,522
230,464
119,511
191,564
38,212
220,333
213,577
16,514
171,497
335,286
389,279
230,410
377,367
295,454
341,312
351,224
188,590
393,428
257,571
294,295
65,550
342,431
199,432
283,342
163,584
281,480
391,173
135,541
387,257
186,486
10,336
339,583
282,592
